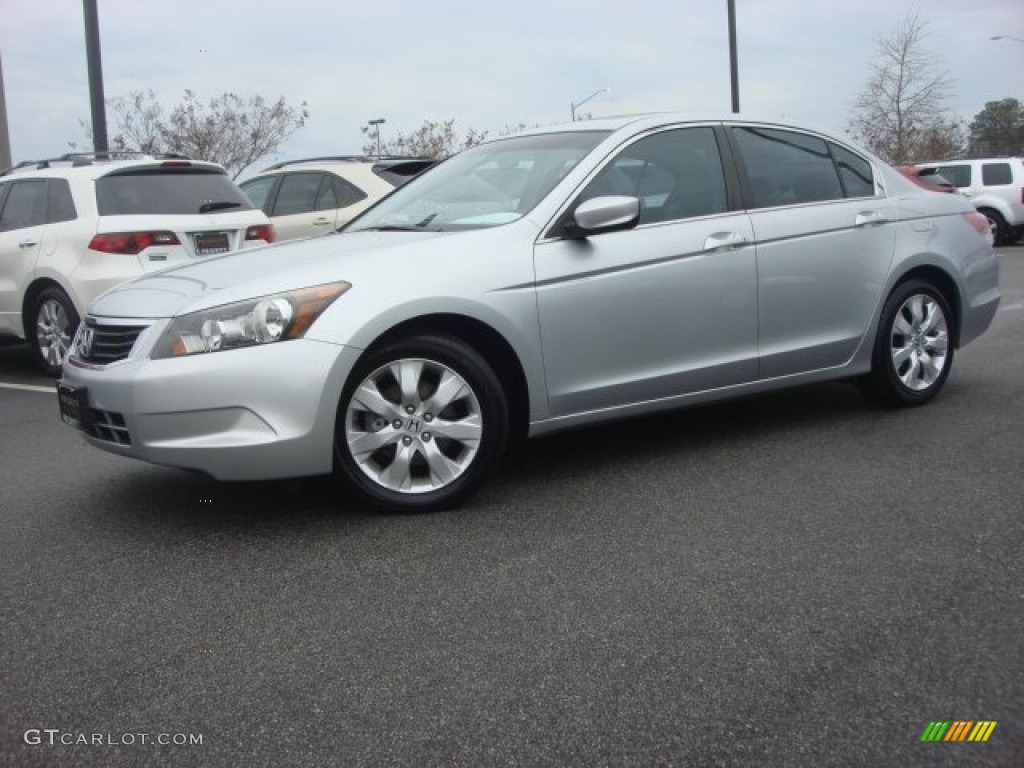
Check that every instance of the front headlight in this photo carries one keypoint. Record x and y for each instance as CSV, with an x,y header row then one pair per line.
x,y
247,323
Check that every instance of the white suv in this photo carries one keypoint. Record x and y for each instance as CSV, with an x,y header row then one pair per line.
x,y
75,226
994,185
315,196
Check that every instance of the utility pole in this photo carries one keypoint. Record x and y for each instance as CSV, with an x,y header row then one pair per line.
x,y
377,124
92,54
733,64
5,136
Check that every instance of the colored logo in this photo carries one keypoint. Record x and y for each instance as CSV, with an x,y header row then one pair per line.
x,y
958,730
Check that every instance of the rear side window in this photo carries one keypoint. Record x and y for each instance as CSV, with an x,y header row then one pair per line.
x,y
172,191
60,206
297,193
854,172
787,168
996,174
345,193
25,205
959,175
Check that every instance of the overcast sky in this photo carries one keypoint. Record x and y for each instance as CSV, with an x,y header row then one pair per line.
x,y
485,64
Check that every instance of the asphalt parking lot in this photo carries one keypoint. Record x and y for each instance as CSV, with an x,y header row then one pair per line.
x,y
798,579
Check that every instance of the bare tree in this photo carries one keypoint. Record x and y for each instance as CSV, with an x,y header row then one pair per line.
x,y
228,129
902,113
432,139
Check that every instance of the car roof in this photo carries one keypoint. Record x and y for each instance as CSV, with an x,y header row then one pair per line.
x,y
75,166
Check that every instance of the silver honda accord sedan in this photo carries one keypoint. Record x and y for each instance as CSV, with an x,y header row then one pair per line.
x,y
554,279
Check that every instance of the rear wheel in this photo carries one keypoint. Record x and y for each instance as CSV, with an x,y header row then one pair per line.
x,y
54,322
1001,232
913,350
421,424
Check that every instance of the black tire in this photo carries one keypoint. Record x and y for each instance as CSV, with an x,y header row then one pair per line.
x,y
395,471
53,322
1002,234
909,368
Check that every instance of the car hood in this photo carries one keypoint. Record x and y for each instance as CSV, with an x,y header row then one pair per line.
x,y
260,272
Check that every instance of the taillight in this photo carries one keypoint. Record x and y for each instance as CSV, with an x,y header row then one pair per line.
x,y
981,225
261,232
131,243
176,164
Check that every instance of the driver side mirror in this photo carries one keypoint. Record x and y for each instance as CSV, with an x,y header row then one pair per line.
x,y
602,214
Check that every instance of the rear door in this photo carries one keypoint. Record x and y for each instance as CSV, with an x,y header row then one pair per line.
x,y
22,227
824,246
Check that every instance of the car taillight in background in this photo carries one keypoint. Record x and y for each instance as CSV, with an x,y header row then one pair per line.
x,y
261,232
131,243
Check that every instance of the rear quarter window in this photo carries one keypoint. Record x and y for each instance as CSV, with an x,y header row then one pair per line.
x,y
996,174
959,175
168,192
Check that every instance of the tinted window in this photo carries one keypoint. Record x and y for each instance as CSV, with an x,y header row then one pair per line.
x,y
996,174
786,168
258,191
397,173
297,193
346,193
854,172
25,205
60,206
172,191
675,175
959,175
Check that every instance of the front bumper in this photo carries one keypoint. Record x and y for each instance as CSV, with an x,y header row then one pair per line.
x,y
249,414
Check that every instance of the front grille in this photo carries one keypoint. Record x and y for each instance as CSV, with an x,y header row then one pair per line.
x,y
109,426
108,343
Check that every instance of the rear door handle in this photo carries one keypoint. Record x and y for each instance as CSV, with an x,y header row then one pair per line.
x,y
320,222
28,243
720,240
870,218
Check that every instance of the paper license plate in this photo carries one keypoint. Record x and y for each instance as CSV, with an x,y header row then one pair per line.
x,y
74,406
211,242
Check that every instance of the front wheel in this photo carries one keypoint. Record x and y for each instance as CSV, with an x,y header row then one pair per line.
x,y
53,326
913,350
421,424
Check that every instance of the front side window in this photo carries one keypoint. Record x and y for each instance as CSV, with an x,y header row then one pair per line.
x,y
485,186
258,191
675,174
959,175
25,205
787,168
996,174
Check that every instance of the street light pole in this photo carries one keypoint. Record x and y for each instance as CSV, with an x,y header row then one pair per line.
x,y
377,123
92,55
577,105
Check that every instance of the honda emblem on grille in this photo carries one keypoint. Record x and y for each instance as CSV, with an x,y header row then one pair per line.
x,y
85,339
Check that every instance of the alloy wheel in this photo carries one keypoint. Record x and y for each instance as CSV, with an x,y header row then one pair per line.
x,y
413,426
53,332
919,342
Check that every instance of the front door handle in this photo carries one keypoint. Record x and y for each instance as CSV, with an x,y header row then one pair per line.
x,y
320,222
28,243
720,240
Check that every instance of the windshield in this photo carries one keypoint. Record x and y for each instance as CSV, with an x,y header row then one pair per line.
x,y
485,186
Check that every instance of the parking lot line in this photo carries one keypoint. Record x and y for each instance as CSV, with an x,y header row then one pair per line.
x,y
28,387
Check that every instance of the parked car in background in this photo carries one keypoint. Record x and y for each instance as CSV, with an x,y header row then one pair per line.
x,y
553,279
315,196
936,182
994,185
74,226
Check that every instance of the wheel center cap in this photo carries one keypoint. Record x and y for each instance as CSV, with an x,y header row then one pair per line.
x,y
413,426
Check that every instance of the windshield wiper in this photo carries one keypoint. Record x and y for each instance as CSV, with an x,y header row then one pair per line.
x,y
220,205
390,228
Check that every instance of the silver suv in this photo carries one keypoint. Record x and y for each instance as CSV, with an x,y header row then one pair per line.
x,y
994,185
75,226
304,198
